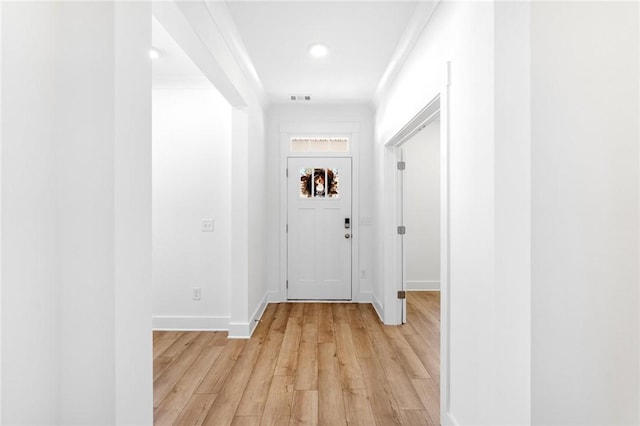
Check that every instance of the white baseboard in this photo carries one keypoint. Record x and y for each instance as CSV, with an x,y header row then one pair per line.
x,y
423,285
378,307
244,330
239,330
190,323
257,314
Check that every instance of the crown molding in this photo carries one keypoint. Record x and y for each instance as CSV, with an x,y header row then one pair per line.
x,y
419,21
221,15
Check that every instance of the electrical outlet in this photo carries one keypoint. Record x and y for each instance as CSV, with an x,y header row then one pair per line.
x,y
195,293
207,225
363,274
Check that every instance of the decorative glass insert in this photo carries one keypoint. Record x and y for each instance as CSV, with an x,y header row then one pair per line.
x,y
319,183
299,144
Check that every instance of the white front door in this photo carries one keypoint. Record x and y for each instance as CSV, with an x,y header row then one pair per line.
x,y
319,229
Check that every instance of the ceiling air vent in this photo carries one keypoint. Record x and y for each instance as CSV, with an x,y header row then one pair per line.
x,y
299,97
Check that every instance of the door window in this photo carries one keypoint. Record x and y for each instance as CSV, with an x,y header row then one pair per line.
x,y
319,183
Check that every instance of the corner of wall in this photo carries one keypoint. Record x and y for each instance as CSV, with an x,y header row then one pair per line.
x,y
244,330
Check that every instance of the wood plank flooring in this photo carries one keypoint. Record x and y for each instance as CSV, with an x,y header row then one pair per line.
x,y
306,364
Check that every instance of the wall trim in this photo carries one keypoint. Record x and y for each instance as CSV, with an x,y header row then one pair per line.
x,y
220,14
178,19
393,261
349,129
190,323
244,330
414,29
423,285
377,306
239,330
257,314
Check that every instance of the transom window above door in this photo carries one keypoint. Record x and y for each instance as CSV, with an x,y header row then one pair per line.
x,y
319,144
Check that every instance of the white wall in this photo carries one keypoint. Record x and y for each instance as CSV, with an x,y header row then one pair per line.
x,y
543,123
30,332
86,251
132,198
191,181
512,213
486,385
421,208
76,149
311,115
585,132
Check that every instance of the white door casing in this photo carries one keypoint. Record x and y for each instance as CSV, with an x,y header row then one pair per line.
x,y
403,250
319,245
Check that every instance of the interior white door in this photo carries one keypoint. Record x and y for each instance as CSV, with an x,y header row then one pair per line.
x,y
319,229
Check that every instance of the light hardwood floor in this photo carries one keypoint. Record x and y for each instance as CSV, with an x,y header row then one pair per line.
x,y
306,364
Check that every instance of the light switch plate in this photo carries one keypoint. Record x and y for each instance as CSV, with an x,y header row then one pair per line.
x,y
207,225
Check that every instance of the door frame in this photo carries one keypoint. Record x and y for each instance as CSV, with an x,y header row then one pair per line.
x,y
350,130
426,117
438,105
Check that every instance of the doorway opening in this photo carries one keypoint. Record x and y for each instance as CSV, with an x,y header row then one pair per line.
x,y
421,209
318,209
419,191
191,175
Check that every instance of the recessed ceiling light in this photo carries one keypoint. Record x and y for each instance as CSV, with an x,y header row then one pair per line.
x,y
154,53
318,50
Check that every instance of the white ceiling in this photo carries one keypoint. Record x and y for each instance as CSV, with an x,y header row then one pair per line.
x,y
362,38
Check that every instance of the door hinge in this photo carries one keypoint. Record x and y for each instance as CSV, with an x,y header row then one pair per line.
x,y
402,294
287,227
287,284
402,165
286,172
402,230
